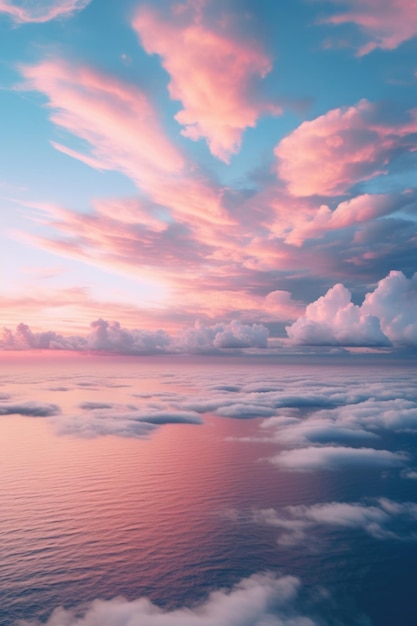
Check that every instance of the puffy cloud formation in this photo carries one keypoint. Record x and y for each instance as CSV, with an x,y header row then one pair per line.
x,y
213,73
260,600
387,316
110,337
351,144
201,338
107,336
377,518
24,339
41,10
350,422
385,23
337,457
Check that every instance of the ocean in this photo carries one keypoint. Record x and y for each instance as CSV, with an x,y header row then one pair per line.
x,y
207,490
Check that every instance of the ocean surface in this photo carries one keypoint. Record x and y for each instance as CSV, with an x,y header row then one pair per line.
x,y
234,491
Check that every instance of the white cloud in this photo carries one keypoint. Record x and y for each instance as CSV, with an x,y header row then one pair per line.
x,y
260,600
336,457
381,519
387,316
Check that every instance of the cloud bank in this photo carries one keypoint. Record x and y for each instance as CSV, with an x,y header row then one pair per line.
x,y
111,337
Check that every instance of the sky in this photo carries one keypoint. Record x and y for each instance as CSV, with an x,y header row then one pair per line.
x,y
208,175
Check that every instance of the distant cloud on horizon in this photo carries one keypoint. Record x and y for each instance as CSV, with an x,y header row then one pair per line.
x,y
385,319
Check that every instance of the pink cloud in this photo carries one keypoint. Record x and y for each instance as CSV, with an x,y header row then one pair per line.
x,y
349,144
40,10
385,23
116,119
122,128
357,210
213,72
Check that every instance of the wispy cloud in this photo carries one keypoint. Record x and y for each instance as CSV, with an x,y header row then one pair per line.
x,y
385,24
38,11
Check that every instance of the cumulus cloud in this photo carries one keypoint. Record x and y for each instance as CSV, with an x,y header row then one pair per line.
x,y
105,336
260,600
381,519
336,457
394,302
352,144
213,72
111,337
387,316
41,10
24,339
384,23
200,337
349,423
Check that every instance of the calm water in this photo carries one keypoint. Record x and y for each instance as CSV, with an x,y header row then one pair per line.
x,y
103,495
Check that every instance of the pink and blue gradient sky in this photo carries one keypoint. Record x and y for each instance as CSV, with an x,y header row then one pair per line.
x,y
249,166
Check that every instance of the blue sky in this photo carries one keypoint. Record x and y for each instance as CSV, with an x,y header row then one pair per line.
x,y
169,163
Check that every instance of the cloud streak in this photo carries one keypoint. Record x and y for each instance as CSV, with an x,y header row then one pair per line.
x,y
40,11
